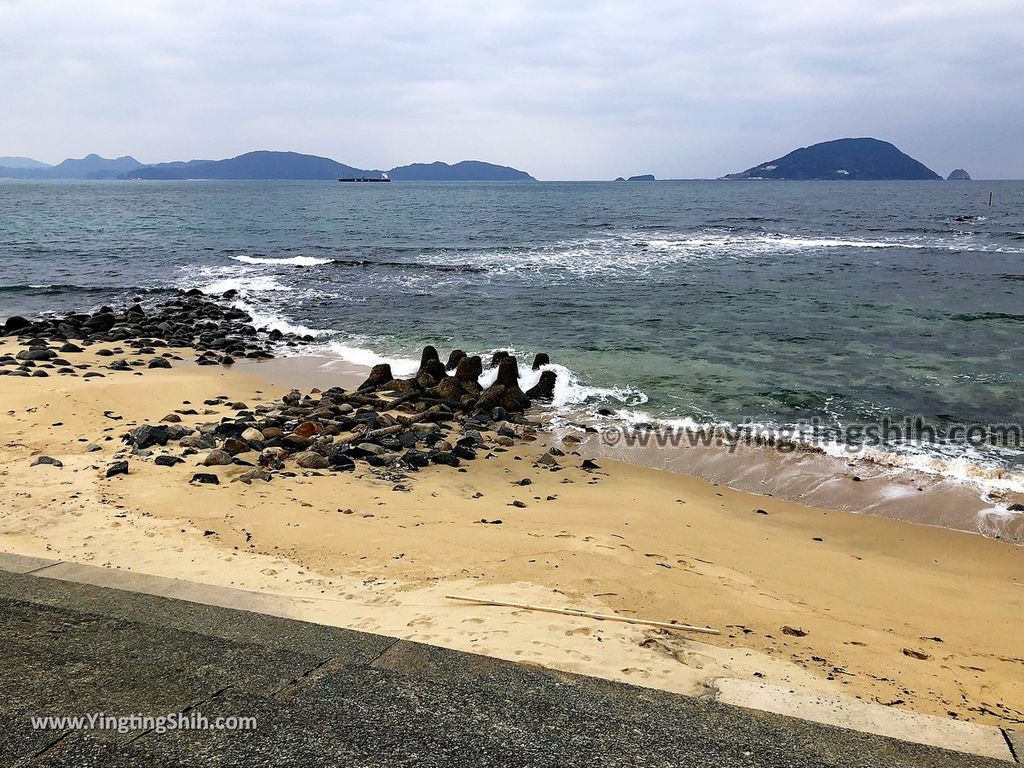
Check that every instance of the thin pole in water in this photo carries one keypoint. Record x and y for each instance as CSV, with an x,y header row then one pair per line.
x,y
990,198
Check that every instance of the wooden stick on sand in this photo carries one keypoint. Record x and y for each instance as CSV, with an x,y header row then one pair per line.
x,y
586,614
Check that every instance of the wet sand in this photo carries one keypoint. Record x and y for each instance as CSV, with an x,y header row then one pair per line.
x,y
915,617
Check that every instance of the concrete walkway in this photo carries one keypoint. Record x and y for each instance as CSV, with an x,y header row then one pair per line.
x,y
325,696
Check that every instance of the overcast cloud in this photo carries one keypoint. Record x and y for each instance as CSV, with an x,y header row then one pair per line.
x,y
564,90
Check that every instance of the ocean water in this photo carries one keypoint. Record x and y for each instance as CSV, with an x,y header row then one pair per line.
x,y
824,303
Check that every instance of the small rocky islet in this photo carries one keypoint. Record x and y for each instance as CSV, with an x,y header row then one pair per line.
x,y
441,415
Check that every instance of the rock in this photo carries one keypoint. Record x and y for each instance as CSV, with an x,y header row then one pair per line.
x,y
217,458
548,460
205,478
253,435
959,175
379,376
159,362
468,371
117,468
464,452
236,447
429,355
148,435
589,465
339,462
497,357
36,354
254,474
311,460
541,359
167,461
372,449
543,389
453,359
431,372
508,372
307,429
449,389
1016,507
15,323
416,459
101,322
47,460
172,418
69,348
444,457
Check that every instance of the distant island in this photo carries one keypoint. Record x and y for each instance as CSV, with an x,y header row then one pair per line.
x,y
258,165
643,177
467,170
959,175
863,159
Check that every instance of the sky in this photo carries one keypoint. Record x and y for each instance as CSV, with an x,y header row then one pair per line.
x,y
571,89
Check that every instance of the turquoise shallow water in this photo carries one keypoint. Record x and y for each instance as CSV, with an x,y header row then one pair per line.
x,y
722,302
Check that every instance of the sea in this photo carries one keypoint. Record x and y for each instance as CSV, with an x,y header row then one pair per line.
x,y
814,307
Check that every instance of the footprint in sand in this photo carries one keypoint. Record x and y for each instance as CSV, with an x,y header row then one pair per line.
x,y
421,621
578,631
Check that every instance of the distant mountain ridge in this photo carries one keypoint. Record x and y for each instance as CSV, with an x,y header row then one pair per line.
x,y
88,167
863,159
262,164
21,162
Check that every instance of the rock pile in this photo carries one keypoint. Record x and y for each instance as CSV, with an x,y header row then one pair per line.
x,y
217,331
391,425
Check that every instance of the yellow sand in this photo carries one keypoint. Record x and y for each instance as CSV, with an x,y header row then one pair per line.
x,y
623,540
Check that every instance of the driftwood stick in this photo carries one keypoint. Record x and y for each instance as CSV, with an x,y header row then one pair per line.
x,y
587,614
384,431
428,414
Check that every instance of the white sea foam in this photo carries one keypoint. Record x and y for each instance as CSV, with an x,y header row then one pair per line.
x,y
268,319
400,366
296,261
632,252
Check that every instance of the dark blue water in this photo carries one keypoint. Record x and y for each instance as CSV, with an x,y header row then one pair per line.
x,y
708,301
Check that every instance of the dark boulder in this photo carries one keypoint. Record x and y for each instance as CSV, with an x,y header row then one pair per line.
x,y
117,468
453,359
545,388
148,435
101,322
542,358
379,376
15,323
508,372
467,373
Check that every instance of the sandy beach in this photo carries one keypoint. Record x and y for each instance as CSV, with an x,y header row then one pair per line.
x,y
918,618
